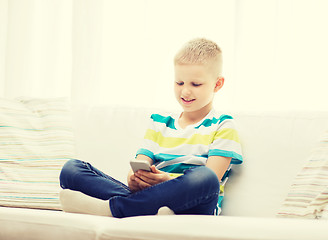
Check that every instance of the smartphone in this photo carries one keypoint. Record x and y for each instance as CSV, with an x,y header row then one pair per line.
x,y
140,165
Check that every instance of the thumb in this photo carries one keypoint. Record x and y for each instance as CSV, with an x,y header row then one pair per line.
x,y
154,169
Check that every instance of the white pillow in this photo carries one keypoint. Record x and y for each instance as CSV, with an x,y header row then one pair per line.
x,y
36,139
308,195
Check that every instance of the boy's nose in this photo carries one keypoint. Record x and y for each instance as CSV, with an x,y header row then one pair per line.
x,y
186,91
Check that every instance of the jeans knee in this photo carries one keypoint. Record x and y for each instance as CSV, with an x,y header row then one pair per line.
x,y
70,168
204,177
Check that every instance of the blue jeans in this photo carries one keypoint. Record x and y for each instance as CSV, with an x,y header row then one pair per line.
x,y
195,192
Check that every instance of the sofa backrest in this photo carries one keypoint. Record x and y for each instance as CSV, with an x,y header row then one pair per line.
x,y
275,146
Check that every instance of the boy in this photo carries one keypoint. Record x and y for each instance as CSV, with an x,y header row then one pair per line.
x,y
190,153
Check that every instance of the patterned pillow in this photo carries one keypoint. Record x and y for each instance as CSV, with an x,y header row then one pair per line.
x,y
36,139
325,212
308,195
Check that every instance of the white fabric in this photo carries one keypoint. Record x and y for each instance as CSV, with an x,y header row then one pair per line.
x,y
16,224
212,227
308,194
20,223
324,215
275,146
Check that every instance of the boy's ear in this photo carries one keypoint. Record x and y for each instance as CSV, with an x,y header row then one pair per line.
x,y
219,84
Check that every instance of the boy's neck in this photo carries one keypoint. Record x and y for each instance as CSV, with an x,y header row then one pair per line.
x,y
189,118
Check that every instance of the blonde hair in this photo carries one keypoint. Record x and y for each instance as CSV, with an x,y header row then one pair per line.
x,y
200,51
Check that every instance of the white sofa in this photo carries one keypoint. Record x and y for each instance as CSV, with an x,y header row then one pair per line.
x,y
275,146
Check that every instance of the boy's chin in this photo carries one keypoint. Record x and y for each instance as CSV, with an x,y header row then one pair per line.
x,y
188,109
194,109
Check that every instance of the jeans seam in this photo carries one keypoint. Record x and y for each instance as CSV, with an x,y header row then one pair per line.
x,y
107,176
148,188
112,206
196,202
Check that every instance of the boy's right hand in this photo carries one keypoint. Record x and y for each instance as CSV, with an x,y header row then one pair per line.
x,y
132,183
136,184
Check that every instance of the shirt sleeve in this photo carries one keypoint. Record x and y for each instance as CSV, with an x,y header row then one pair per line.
x,y
226,142
148,146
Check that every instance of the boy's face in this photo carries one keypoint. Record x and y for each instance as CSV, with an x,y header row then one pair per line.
x,y
195,86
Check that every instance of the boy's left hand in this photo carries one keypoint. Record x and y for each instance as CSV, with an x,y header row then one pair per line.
x,y
146,179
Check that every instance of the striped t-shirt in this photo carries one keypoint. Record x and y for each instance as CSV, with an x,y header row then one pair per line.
x,y
174,149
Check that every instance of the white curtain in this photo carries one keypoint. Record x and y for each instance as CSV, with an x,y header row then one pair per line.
x,y
120,52
281,54
35,47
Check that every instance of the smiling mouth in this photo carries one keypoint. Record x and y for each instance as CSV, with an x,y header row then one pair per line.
x,y
187,100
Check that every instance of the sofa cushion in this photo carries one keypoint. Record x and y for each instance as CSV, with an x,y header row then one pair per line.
x,y
308,195
20,223
204,227
34,224
36,139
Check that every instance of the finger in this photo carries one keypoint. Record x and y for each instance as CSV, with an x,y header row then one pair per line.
x,y
132,177
148,177
142,184
149,174
155,175
133,184
155,178
154,169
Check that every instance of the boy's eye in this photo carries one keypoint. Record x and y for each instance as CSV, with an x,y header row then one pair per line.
x,y
196,84
179,83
